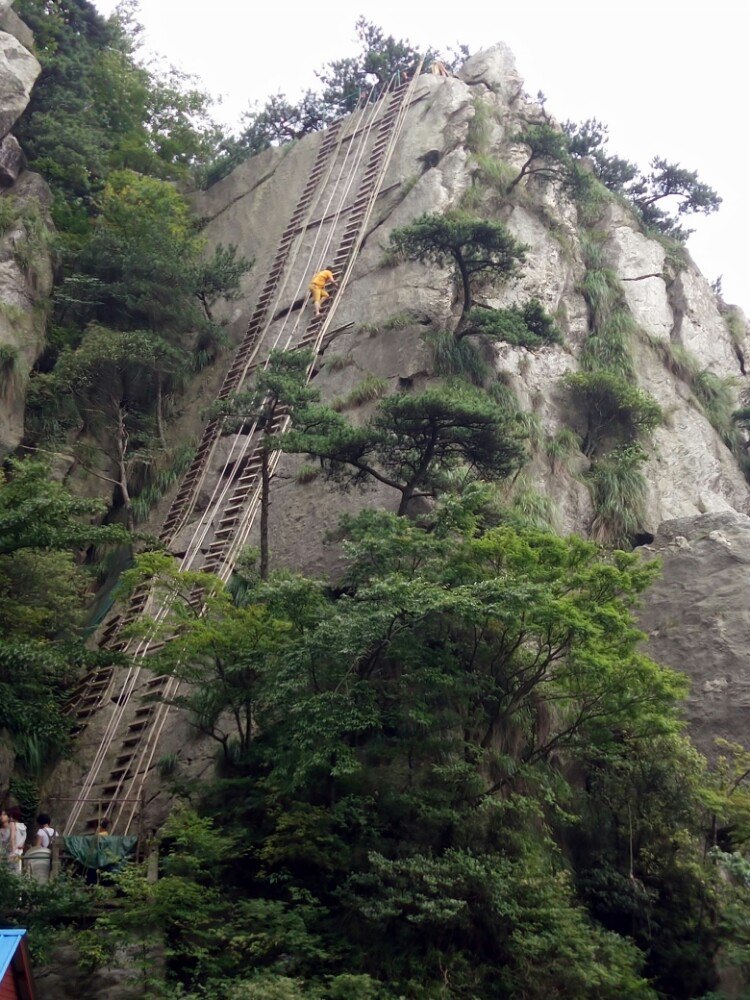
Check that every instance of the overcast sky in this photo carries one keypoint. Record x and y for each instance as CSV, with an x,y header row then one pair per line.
x,y
667,78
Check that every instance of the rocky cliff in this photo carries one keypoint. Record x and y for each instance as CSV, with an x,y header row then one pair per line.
x,y
25,266
457,150
698,621
684,339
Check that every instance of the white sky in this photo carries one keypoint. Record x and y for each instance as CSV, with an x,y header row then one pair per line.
x,y
667,77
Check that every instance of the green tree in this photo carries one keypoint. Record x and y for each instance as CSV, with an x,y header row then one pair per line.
x,y
218,277
614,407
671,181
588,140
548,157
666,182
636,876
524,326
95,108
217,648
403,782
138,268
278,389
381,58
345,82
115,380
476,248
43,529
412,441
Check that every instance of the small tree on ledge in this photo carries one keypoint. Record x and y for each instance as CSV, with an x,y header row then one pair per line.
x,y
412,441
527,326
474,246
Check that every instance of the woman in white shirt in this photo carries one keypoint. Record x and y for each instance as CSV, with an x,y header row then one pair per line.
x,y
16,838
45,833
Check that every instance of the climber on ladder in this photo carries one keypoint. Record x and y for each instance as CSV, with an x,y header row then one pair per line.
x,y
318,288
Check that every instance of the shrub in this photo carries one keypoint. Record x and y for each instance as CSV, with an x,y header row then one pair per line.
x,y
9,213
716,396
560,446
618,492
614,406
8,358
161,475
371,387
602,293
306,474
495,174
478,131
676,358
735,325
457,357
527,326
338,362
529,508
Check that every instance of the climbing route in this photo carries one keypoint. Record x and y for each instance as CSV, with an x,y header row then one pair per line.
x,y
333,209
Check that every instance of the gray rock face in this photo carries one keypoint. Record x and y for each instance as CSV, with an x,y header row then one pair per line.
x,y
13,25
698,619
25,280
494,68
25,266
12,161
690,470
18,72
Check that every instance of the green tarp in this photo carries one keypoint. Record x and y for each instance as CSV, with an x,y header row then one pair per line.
x,y
101,853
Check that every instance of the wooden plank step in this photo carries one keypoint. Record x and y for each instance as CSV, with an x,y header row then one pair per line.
x,y
85,713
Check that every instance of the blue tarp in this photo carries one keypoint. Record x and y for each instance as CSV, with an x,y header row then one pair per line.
x,y
9,942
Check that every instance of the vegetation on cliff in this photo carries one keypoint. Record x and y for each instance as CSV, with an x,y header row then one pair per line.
x,y
131,319
451,774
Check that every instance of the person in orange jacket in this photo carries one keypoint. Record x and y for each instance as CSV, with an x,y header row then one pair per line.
x,y
318,288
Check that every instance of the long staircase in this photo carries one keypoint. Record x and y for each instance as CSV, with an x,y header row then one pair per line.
x,y
137,701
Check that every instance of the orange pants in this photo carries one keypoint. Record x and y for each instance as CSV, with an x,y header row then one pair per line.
x,y
319,294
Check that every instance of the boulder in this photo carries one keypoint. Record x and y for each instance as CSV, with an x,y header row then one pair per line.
x,y
12,23
495,68
698,619
12,161
18,73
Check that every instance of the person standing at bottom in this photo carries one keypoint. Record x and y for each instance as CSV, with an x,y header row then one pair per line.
x,y
16,838
45,833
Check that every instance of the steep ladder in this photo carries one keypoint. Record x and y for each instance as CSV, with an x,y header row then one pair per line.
x,y
138,744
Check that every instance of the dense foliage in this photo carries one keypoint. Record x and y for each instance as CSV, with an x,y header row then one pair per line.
x,y
451,774
401,811
96,108
132,318
662,197
42,601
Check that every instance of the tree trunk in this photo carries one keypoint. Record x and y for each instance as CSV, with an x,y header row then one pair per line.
x,y
160,415
467,290
122,469
206,309
419,476
265,490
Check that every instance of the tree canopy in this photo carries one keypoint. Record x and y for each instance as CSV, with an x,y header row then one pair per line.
x,y
43,593
405,801
476,247
413,441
